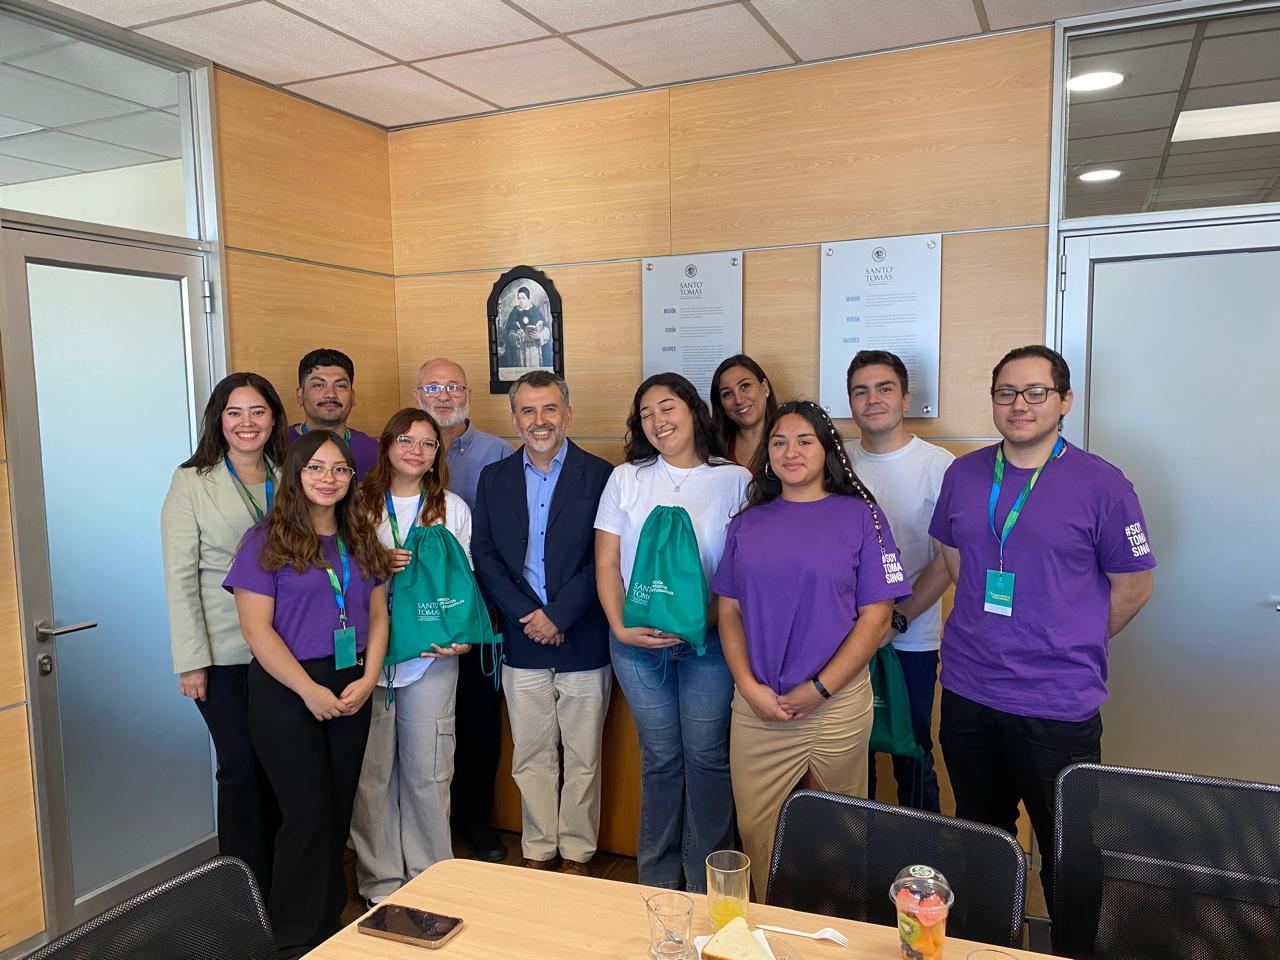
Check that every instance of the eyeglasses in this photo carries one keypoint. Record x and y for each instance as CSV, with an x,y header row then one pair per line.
x,y
406,442
1004,396
433,388
339,472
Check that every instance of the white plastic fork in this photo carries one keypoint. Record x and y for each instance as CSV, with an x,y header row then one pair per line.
x,y
826,933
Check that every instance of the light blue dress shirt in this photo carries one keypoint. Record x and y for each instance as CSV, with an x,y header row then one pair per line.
x,y
539,488
468,455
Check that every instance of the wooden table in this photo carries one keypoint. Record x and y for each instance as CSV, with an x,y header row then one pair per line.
x,y
513,913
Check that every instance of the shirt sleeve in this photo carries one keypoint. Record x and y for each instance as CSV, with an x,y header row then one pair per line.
x,y
940,525
459,516
880,572
1122,538
246,569
609,513
725,581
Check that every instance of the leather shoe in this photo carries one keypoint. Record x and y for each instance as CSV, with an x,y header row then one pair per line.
x,y
539,864
487,845
579,868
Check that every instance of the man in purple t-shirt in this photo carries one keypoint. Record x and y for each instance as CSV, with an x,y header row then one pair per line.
x,y
327,395
1048,548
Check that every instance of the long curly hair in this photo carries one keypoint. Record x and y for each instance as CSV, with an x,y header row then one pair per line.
x,y
371,498
638,449
212,445
292,541
726,427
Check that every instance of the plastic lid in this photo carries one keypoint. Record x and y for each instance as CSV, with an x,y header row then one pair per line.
x,y
922,882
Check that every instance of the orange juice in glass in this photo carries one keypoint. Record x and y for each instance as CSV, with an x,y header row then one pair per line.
x,y
728,881
922,898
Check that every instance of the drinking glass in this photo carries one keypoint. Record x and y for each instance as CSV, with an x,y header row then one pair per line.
x,y
670,925
728,882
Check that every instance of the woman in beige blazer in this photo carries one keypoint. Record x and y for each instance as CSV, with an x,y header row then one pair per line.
x,y
214,498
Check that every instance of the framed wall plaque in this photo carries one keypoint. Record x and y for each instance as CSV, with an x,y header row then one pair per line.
x,y
525,327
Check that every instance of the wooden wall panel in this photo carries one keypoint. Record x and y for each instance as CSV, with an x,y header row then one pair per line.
x,y
946,137
280,309
300,180
21,893
13,681
583,181
780,318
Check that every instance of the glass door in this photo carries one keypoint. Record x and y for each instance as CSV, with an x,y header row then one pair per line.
x,y
105,352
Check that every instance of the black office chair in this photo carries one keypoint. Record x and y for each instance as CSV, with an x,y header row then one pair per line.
x,y
838,856
212,912
1155,864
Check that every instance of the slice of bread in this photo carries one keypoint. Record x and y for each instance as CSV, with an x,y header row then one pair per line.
x,y
733,941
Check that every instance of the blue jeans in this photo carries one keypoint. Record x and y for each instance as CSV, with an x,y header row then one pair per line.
x,y
686,796
917,781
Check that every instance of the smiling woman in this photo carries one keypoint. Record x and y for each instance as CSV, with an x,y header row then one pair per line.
x,y
742,402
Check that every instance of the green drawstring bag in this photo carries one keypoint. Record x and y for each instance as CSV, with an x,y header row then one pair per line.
x,y
668,588
435,600
891,730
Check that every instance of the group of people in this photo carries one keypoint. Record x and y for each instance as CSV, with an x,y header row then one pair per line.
x,y
283,544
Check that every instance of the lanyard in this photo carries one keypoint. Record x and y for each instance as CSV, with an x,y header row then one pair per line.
x,y
1058,449
340,592
346,434
253,501
395,524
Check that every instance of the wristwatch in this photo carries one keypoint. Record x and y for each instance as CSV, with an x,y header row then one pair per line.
x,y
900,622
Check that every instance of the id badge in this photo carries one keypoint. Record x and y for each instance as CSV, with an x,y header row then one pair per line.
x,y
344,648
999,598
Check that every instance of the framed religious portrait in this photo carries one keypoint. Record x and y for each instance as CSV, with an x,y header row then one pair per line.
x,y
525,331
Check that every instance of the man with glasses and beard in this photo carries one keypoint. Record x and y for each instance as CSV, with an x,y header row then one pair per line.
x,y
533,543
442,391
1048,548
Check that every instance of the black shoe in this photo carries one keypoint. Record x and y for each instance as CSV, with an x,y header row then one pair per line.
x,y
487,845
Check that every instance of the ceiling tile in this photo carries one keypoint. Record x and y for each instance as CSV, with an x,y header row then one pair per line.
x,y
704,43
1146,70
1233,94
833,28
1130,39
1020,13
1242,58
392,96
401,29
264,41
66,150
52,103
1121,116
11,128
15,170
132,12
17,37
98,68
567,15
1266,159
1260,21
152,130
1124,146
536,72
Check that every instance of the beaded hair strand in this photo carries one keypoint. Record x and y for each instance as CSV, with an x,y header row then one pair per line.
x,y
848,469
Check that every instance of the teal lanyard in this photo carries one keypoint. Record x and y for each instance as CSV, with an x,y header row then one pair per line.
x,y
1059,449
253,501
395,524
346,434
340,590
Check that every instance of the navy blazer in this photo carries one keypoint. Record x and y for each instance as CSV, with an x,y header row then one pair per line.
x,y
500,538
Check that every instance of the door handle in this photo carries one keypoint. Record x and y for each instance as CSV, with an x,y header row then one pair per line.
x,y
46,632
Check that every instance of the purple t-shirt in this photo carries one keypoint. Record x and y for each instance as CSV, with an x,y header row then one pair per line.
x,y
306,612
799,571
1081,522
363,447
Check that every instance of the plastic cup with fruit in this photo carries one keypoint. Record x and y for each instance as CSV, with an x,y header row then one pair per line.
x,y
922,898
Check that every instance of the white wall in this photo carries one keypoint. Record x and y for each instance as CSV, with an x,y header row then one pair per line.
x,y
148,197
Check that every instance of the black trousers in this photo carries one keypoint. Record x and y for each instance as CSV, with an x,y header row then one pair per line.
x,y
995,759
314,768
479,740
247,813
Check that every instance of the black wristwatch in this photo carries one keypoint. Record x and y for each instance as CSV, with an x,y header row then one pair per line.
x,y
822,691
900,622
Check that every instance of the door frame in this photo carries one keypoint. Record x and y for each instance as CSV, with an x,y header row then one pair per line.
x,y
31,550
1082,252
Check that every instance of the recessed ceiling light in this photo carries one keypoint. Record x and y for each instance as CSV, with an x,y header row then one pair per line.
x,y
1097,176
1244,120
1098,80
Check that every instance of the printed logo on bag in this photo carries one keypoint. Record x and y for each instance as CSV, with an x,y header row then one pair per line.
x,y
639,593
1137,540
892,568
428,612
659,587
448,603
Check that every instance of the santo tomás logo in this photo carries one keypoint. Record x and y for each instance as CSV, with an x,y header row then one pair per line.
x,y
691,270
878,254
639,593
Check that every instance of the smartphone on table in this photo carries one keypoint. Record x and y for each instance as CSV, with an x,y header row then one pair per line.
x,y
407,925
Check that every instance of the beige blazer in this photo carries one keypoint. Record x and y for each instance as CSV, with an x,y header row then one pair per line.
x,y
201,524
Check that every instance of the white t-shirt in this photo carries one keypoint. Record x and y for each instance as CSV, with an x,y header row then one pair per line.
x,y
457,520
711,495
905,484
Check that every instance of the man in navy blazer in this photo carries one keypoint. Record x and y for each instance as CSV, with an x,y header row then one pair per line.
x,y
533,545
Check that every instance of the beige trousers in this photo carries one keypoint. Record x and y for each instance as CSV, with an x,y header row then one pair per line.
x,y
768,759
548,710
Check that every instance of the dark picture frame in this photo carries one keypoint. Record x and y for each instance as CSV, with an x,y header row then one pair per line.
x,y
525,327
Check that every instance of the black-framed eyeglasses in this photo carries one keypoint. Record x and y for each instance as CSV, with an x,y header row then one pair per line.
x,y
430,388
406,442
1004,396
